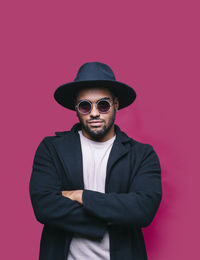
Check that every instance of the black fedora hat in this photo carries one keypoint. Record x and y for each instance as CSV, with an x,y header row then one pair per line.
x,y
94,74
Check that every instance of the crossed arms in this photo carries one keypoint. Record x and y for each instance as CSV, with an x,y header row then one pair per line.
x,y
87,212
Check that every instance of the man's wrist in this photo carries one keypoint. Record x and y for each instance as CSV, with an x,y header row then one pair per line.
x,y
78,196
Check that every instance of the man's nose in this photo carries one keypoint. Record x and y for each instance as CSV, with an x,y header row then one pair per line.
x,y
94,111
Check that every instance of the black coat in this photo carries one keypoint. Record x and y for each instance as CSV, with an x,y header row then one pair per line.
x,y
132,195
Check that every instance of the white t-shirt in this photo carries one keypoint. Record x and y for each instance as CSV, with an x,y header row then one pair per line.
x,y
95,158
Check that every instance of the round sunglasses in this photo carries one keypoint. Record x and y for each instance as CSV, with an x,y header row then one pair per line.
x,y
85,106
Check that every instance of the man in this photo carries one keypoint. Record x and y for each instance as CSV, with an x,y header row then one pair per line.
x,y
93,187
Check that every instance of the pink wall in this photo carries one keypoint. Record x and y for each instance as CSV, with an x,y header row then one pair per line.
x,y
152,44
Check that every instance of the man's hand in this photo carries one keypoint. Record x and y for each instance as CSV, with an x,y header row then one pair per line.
x,y
73,195
77,196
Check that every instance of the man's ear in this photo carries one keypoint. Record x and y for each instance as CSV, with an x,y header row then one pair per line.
x,y
116,103
74,101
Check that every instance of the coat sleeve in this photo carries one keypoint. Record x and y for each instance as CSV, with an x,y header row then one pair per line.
x,y
136,208
50,207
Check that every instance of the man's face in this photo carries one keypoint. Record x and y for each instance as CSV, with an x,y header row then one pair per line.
x,y
104,129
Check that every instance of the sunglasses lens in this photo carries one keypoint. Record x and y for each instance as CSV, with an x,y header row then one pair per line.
x,y
84,107
103,106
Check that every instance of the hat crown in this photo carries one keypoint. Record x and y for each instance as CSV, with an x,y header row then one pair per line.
x,y
94,71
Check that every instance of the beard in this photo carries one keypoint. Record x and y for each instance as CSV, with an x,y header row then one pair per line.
x,y
95,132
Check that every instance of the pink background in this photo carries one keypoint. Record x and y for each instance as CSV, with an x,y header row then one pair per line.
x,y
151,45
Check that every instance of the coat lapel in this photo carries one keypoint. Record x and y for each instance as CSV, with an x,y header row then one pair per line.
x,y
69,149
70,153
118,151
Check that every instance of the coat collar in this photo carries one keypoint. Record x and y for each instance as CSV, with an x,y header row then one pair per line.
x,y
119,134
69,150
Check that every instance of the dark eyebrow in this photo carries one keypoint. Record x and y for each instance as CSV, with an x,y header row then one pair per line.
x,y
104,98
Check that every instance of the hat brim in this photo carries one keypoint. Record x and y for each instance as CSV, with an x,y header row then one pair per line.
x,y
65,93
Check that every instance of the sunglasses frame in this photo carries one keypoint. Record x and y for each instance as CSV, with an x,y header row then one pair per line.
x,y
91,105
